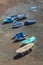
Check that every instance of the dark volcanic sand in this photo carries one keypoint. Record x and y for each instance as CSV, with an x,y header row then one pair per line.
x,y
7,47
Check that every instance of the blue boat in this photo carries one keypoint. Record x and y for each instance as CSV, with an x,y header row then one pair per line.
x,y
10,19
17,24
29,22
20,36
32,8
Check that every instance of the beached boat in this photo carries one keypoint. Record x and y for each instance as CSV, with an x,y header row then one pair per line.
x,y
29,40
17,24
30,21
20,36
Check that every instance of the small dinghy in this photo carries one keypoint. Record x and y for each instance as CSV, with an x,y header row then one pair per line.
x,y
26,48
29,22
32,8
22,16
29,40
17,24
20,36
10,19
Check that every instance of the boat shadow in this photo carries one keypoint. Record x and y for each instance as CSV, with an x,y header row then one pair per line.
x,y
14,41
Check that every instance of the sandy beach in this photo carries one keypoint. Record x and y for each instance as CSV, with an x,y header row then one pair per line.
x,y
8,49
